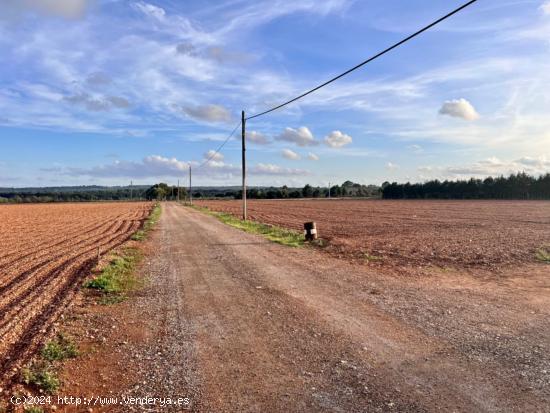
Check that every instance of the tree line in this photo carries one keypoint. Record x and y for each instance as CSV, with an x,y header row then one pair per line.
x,y
515,186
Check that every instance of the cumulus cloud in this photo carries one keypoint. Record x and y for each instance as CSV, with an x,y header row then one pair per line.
x,y
312,157
214,156
156,166
97,104
276,170
337,139
391,166
257,137
288,154
150,166
208,113
301,136
459,108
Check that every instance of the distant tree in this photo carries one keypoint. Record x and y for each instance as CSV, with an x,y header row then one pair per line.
x,y
307,191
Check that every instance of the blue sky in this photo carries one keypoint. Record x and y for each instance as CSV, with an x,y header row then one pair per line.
x,y
108,91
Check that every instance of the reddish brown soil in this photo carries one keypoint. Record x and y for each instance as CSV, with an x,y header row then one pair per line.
x,y
446,233
45,251
239,324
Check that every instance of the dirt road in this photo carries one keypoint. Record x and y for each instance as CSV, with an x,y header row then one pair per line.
x,y
240,324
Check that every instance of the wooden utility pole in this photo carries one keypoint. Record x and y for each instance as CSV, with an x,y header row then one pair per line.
x,y
190,188
243,136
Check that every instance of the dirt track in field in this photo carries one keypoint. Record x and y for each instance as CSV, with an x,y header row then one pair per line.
x,y
45,251
412,233
240,324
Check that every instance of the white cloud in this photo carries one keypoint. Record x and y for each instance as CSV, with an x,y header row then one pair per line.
x,y
415,148
270,169
208,113
288,154
459,108
214,156
156,166
257,137
312,157
150,10
301,136
97,104
337,139
492,166
545,8
391,166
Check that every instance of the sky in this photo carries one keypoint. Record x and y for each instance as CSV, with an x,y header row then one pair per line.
x,y
111,91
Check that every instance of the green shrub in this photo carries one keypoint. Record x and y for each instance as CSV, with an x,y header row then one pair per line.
x,y
40,376
60,348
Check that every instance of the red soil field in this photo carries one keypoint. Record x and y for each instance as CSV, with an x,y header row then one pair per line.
x,y
414,233
45,252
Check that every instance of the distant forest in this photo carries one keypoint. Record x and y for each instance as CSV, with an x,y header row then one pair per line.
x,y
163,191
516,186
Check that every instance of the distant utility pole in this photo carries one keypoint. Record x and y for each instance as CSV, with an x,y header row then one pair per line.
x,y
243,133
190,187
178,190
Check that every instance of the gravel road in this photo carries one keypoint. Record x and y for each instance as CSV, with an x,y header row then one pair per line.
x,y
240,324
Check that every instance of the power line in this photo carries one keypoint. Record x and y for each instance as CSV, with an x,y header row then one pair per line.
x,y
219,147
412,36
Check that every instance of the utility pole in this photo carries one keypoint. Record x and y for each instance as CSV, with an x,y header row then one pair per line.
x,y
243,134
178,190
190,188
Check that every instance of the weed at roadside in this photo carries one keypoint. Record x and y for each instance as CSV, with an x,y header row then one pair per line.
x,y
141,234
41,376
60,348
275,234
117,278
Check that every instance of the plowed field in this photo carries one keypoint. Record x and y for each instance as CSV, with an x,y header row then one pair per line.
x,y
447,233
45,251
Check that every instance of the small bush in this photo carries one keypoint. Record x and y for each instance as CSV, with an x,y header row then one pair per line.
x,y
543,254
40,376
60,348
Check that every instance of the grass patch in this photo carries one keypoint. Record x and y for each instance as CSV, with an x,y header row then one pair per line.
x,y
41,376
373,258
34,409
543,254
117,278
141,234
60,348
275,234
